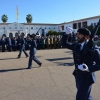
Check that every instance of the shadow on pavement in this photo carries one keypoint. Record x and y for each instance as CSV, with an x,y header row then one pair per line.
x,y
16,58
18,69
8,70
56,59
8,58
65,64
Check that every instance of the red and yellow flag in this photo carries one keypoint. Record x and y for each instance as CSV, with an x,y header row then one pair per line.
x,y
17,12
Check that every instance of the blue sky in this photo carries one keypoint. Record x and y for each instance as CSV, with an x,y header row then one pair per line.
x,y
49,11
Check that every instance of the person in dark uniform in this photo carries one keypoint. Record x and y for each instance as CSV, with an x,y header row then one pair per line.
x,y
9,44
33,46
85,64
46,42
38,43
51,42
3,42
55,42
42,43
18,42
22,47
14,44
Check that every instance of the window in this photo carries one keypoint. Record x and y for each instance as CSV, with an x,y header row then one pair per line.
x,y
75,26
79,25
84,24
15,27
62,27
31,27
15,24
27,28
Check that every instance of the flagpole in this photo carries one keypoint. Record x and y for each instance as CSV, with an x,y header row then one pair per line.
x,y
18,27
17,15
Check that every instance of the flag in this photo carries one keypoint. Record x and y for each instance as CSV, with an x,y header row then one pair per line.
x,y
17,12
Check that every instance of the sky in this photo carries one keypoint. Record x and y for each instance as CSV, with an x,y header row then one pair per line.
x,y
49,11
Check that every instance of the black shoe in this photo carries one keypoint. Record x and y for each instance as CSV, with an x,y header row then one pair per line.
x,y
18,57
28,68
40,65
27,56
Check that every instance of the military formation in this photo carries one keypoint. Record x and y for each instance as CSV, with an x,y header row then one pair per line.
x,y
45,42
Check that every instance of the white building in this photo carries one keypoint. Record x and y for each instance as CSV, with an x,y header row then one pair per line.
x,y
79,23
17,28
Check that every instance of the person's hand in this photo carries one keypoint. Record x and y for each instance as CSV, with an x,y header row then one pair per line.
x,y
83,67
69,30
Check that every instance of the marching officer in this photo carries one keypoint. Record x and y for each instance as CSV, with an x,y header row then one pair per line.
x,y
33,46
85,64
22,47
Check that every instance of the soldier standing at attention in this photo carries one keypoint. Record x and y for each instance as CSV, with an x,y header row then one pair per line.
x,y
55,42
48,42
51,42
3,42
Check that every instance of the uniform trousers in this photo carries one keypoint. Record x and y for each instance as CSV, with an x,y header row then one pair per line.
x,y
32,57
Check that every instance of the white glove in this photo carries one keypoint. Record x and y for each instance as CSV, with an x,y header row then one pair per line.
x,y
69,30
83,67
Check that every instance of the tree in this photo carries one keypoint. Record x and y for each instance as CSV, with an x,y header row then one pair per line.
x,y
50,32
4,19
60,33
29,20
55,33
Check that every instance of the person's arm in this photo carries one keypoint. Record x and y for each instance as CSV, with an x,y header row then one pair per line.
x,y
70,45
96,65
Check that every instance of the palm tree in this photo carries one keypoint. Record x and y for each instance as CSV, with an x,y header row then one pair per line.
x,y
4,19
29,20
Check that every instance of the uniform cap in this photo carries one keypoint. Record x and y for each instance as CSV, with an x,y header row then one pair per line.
x,y
84,31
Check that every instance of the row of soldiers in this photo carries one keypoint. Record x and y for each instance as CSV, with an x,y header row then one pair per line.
x,y
46,42
52,42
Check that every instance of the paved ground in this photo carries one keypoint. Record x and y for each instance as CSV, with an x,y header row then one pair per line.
x,y
52,81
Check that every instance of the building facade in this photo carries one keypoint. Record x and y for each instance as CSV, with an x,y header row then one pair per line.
x,y
79,23
13,29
